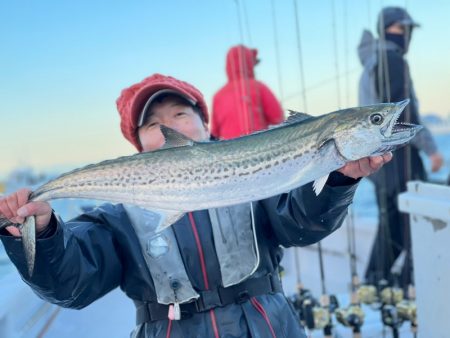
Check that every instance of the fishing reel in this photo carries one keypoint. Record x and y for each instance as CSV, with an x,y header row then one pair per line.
x,y
407,309
304,302
390,316
307,313
367,294
352,316
312,313
391,295
317,316
321,316
299,298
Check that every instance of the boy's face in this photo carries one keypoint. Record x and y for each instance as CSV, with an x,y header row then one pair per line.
x,y
175,115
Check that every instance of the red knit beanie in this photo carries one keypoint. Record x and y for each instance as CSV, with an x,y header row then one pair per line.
x,y
132,100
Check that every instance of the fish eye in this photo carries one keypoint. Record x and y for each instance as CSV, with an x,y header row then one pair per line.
x,y
376,119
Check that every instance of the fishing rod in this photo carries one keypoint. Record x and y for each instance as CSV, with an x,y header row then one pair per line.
x,y
364,293
391,296
405,309
328,303
352,316
300,57
314,314
303,299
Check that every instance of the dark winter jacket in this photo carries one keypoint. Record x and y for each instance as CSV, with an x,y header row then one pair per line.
x,y
82,260
244,104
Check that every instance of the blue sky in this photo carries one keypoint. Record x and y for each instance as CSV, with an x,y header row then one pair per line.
x,y
65,63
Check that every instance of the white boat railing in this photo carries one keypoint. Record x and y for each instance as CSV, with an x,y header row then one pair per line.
x,y
429,209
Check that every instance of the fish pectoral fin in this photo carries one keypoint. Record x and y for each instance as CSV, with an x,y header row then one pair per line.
x,y
319,184
168,217
174,138
28,229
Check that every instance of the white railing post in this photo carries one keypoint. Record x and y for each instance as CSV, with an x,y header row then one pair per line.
x,y
429,209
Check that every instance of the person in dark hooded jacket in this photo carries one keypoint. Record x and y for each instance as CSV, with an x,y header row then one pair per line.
x,y
213,273
243,105
386,78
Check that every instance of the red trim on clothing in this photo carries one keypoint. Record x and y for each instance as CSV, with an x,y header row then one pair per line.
x,y
205,274
214,323
169,328
263,313
200,250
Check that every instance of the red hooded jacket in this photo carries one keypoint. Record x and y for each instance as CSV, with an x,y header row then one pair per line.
x,y
244,104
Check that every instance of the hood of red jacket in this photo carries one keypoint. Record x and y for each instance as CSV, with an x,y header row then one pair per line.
x,y
241,62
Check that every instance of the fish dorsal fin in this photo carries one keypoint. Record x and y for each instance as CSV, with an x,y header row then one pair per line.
x,y
295,116
174,138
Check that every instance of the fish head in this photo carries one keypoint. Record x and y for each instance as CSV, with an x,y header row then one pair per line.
x,y
372,130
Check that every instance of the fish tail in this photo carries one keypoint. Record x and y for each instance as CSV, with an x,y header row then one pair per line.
x,y
29,242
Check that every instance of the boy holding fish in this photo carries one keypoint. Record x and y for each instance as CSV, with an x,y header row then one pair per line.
x,y
213,272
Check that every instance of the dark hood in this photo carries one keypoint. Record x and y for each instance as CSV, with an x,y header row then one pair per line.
x,y
369,46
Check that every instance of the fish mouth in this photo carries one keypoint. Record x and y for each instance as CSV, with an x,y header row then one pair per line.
x,y
397,134
390,127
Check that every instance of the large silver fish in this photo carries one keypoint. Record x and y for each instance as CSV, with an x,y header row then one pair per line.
x,y
186,175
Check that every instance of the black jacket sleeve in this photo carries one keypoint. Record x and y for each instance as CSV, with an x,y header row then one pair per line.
x,y
74,266
301,218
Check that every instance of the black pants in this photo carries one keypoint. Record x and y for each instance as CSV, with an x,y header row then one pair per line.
x,y
392,238
394,234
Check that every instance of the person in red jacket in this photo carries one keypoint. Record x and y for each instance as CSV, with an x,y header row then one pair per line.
x,y
244,104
